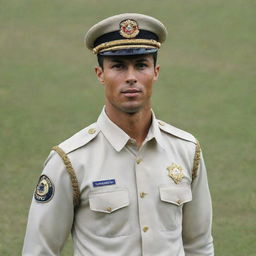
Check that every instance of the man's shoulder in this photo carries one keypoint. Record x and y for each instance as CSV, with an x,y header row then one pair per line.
x,y
80,139
176,132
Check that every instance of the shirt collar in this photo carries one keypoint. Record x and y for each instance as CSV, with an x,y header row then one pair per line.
x,y
114,134
118,138
155,132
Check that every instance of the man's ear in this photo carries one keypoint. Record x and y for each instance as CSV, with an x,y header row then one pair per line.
x,y
156,71
100,74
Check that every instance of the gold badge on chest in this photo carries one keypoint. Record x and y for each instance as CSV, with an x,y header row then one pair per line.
x,y
175,172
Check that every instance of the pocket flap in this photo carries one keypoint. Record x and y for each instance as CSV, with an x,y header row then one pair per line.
x,y
178,194
108,201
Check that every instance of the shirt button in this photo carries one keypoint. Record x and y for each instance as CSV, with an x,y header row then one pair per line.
x,y
132,142
145,229
109,209
138,161
142,194
91,131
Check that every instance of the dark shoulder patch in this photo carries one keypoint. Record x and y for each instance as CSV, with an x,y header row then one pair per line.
x,y
44,190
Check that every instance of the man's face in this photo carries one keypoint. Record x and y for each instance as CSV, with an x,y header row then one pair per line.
x,y
128,82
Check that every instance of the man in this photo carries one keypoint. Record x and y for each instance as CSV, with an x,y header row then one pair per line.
x,y
127,184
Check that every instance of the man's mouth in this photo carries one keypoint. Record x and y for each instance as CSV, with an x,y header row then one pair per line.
x,y
131,92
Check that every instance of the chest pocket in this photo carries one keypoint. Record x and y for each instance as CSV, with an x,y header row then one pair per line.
x,y
108,201
172,199
110,212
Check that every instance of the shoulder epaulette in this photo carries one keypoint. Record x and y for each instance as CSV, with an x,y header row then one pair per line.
x,y
80,139
176,132
184,136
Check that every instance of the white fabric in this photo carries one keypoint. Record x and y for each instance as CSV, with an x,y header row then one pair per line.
x,y
144,213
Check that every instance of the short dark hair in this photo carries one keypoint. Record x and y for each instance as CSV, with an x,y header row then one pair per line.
x,y
101,58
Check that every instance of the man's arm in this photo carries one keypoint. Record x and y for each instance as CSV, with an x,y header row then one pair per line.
x,y
197,217
50,222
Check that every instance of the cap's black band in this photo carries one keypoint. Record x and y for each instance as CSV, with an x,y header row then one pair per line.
x,y
111,36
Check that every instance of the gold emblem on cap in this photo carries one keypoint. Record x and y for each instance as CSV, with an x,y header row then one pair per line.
x,y
175,172
129,28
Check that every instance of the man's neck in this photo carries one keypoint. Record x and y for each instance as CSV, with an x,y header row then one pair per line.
x,y
136,125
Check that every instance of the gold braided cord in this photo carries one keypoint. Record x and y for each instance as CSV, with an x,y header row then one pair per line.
x,y
196,161
126,42
71,172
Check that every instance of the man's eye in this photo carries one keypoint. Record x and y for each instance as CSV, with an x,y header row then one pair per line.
x,y
141,65
118,66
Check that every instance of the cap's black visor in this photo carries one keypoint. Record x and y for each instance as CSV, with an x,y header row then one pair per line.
x,y
131,51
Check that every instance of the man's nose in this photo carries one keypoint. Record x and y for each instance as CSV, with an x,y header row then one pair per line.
x,y
131,77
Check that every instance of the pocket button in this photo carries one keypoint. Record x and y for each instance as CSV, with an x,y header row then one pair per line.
x,y
179,202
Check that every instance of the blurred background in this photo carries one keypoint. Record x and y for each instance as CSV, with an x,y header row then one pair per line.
x,y
48,91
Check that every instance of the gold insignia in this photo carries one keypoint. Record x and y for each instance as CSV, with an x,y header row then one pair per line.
x,y
129,28
175,172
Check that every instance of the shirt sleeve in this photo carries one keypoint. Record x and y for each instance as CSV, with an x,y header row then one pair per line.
x,y
50,222
197,217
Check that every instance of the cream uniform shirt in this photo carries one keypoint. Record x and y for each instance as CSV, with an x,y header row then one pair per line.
x,y
130,204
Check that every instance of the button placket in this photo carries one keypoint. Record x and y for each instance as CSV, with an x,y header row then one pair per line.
x,y
142,189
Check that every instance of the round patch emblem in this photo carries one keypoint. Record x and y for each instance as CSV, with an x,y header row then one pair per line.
x,y
129,28
44,189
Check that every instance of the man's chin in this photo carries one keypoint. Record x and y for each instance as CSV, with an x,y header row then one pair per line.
x,y
132,109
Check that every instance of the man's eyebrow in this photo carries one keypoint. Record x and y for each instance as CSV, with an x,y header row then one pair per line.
x,y
116,60
141,60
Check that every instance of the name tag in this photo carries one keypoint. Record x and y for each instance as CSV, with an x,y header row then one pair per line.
x,y
104,183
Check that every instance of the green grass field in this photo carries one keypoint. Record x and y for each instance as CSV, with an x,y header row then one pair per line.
x,y
48,91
